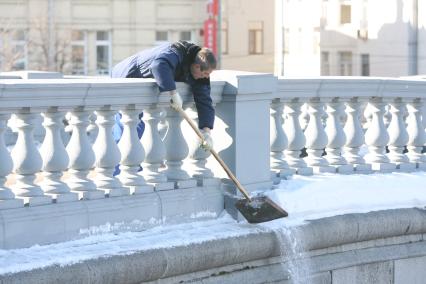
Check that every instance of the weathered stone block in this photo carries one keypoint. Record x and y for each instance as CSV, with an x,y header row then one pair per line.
x,y
377,273
412,270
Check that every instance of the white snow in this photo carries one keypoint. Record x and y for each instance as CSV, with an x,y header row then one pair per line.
x,y
318,196
305,198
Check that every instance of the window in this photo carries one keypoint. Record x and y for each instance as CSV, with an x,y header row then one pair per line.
x,y
364,18
345,63
78,53
324,14
365,65
224,37
161,36
1,51
103,52
185,35
286,40
255,38
345,14
19,50
325,63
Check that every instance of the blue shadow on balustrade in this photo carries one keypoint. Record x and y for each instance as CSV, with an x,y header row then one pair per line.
x,y
117,132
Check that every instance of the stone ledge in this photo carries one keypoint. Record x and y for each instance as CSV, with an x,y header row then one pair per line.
x,y
259,246
352,228
58,222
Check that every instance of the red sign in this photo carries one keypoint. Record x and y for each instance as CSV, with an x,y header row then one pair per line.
x,y
213,7
210,40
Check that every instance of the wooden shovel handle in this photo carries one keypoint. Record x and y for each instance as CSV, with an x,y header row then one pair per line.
x,y
216,155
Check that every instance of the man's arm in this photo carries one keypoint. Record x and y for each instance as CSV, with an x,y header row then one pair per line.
x,y
204,104
163,68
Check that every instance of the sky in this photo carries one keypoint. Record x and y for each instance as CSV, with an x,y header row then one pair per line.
x,y
305,198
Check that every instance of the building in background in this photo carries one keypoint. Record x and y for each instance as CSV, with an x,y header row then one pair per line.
x,y
285,37
343,37
247,35
297,33
89,36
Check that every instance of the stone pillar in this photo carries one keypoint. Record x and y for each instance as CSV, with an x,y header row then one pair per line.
x,y
7,198
416,133
27,162
132,153
398,137
354,137
107,155
377,138
81,157
155,151
244,110
316,138
336,138
296,138
176,151
278,141
55,158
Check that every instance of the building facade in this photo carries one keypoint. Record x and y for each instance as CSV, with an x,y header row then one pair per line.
x,y
360,38
89,36
247,38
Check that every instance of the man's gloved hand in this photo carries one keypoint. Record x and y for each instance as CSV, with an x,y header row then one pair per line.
x,y
207,143
176,101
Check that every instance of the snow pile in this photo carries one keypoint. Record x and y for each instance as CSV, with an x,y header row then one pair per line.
x,y
319,196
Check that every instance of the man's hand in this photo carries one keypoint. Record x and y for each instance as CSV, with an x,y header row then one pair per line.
x,y
207,142
176,101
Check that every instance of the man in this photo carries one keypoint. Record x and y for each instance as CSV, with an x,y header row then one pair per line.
x,y
181,61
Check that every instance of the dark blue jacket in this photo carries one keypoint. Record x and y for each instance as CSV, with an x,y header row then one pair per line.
x,y
169,63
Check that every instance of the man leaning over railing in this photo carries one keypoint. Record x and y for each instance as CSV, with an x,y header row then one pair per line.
x,y
168,63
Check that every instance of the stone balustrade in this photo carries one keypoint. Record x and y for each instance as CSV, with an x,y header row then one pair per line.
x,y
347,129
267,128
55,172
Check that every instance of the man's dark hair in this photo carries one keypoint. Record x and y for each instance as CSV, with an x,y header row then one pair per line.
x,y
206,59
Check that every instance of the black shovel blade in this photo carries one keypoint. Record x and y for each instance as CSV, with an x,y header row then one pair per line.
x,y
260,209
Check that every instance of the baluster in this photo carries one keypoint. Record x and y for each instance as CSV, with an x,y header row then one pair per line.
x,y
7,198
27,162
354,137
155,151
197,156
162,124
423,115
176,151
387,116
398,137
416,133
376,137
132,153
107,155
316,138
55,158
92,130
336,138
296,138
278,141
81,157
304,116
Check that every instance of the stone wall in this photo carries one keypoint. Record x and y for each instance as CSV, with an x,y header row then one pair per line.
x,y
378,249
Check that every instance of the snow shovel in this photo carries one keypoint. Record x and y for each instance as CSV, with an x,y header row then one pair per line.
x,y
256,209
